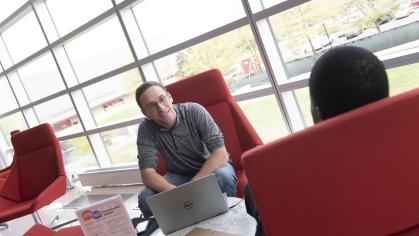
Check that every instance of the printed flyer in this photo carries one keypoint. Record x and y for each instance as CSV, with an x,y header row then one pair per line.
x,y
106,218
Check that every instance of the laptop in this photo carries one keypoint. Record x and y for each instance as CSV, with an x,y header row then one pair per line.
x,y
188,204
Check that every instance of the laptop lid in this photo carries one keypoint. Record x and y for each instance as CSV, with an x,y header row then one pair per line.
x,y
188,204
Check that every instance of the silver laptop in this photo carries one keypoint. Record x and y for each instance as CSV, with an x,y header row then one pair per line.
x,y
188,204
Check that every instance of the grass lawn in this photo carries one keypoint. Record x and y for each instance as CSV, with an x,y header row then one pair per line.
x,y
265,116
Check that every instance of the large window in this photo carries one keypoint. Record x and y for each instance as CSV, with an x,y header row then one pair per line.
x,y
37,74
265,116
8,101
62,10
78,155
60,113
100,50
82,80
11,123
7,9
403,78
180,20
234,53
24,38
113,100
306,31
120,144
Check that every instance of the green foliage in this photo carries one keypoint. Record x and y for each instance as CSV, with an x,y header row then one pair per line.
x,y
221,52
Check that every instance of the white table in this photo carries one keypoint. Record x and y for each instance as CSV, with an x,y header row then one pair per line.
x,y
235,221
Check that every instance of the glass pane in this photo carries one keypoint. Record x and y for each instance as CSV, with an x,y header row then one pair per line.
x,y
403,78
305,32
165,23
24,38
8,7
265,116
63,10
37,74
258,5
78,155
303,99
100,50
121,145
113,99
11,123
60,114
8,101
234,53
9,157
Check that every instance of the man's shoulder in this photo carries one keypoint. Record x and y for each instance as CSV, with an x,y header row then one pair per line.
x,y
189,106
146,124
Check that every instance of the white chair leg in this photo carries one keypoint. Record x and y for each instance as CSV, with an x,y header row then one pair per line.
x,y
36,218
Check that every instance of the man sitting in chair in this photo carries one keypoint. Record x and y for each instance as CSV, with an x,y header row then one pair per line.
x,y
188,139
342,79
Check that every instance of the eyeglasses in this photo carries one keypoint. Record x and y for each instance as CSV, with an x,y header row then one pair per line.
x,y
163,100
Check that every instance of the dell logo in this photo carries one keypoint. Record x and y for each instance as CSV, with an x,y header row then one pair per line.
x,y
188,205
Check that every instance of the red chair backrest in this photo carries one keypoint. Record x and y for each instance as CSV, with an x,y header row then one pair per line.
x,y
37,163
355,174
210,90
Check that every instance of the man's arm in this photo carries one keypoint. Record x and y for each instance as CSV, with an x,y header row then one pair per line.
x,y
155,181
217,159
147,160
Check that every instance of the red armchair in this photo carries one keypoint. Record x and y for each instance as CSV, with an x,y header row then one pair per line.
x,y
210,90
355,174
37,175
38,230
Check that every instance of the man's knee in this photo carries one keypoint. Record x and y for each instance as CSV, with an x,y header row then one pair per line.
x,y
226,178
142,204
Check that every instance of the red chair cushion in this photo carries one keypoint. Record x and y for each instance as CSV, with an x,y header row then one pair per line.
x,y
42,230
70,231
39,230
10,210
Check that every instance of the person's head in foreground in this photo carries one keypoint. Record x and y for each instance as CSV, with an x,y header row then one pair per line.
x,y
345,78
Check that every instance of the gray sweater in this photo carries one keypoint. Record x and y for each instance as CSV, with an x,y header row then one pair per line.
x,y
186,146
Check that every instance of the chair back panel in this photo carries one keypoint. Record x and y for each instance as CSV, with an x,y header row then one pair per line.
x,y
209,89
37,163
355,174
221,113
206,88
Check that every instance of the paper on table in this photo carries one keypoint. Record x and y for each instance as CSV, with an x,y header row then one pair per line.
x,y
106,218
207,232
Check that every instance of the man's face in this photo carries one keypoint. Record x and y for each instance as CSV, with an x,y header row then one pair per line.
x,y
157,105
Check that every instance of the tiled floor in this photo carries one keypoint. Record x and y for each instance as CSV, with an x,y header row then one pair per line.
x,y
19,226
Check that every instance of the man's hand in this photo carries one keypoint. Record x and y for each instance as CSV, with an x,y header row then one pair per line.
x,y
217,159
153,180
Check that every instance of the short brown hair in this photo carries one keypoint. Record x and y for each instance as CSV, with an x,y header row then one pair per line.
x,y
142,88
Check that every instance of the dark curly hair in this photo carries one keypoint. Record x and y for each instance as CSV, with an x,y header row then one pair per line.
x,y
345,78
